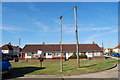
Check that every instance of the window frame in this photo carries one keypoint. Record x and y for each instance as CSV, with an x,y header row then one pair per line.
x,y
56,54
29,54
97,54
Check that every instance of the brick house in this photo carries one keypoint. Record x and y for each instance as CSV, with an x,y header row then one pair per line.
x,y
53,50
9,49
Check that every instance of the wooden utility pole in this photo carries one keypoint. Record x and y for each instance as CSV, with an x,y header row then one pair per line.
x,y
19,42
19,47
103,48
61,68
76,31
102,45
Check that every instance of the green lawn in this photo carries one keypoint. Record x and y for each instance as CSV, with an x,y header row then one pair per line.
x,y
54,67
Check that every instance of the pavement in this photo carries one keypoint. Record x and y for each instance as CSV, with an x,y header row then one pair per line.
x,y
112,57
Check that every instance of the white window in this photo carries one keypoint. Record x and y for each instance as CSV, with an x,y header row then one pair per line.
x,y
69,54
28,54
36,55
56,54
97,54
89,53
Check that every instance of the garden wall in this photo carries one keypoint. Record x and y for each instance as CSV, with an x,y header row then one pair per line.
x,y
37,60
84,59
52,60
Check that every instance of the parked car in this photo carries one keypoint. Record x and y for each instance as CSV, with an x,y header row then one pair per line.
x,y
5,66
113,54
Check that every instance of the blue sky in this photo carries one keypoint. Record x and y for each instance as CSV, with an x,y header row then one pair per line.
x,y
38,22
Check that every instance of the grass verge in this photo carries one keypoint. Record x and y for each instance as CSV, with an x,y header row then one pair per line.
x,y
33,68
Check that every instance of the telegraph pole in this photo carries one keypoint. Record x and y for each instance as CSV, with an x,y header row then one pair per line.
x,y
103,47
61,68
19,42
19,47
76,31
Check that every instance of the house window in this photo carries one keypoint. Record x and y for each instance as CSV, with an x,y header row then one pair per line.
x,y
36,55
89,53
49,54
56,54
28,54
97,54
69,54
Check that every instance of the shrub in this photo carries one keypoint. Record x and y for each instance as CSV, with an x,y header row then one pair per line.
x,y
83,56
73,56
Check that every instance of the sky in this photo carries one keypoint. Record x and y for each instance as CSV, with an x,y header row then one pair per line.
x,y
38,22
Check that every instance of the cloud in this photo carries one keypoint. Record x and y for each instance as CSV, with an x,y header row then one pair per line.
x,y
42,27
7,28
71,28
92,37
95,28
14,28
45,28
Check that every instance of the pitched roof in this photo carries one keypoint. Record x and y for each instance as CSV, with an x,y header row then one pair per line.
x,y
7,47
56,47
117,46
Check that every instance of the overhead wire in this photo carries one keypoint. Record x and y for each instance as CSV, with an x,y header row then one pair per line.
x,y
35,6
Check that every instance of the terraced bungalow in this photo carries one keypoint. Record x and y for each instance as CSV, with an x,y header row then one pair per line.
x,y
52,51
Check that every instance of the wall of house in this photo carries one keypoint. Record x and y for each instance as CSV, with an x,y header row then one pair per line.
x,y
89,54
68,55
116,50
106,51
48,55
39,52
5,51
26,56
97,54
16,51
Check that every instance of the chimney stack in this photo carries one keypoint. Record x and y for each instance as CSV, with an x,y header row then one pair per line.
x,y
93,42
43,43
9,43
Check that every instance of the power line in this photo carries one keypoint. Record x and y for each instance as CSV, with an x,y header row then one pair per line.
x,y
34,6
67,12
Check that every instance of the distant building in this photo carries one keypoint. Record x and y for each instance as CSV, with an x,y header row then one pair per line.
x,y
9,49
107,50
117,49
53,50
